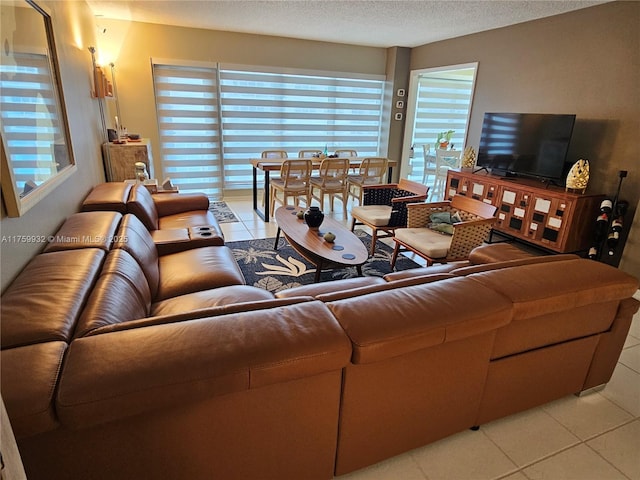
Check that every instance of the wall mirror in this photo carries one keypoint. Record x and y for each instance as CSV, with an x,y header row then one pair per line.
x,y
36,147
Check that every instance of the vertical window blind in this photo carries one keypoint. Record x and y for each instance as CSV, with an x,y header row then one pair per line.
x,y
29,119
257,110
443,103
187,105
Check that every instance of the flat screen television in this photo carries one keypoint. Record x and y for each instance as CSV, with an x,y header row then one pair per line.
x,y
528,144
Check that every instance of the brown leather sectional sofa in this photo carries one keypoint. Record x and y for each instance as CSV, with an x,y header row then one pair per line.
x,y
122,362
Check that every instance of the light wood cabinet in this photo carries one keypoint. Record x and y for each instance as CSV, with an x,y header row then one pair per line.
x,y
123,158
528,210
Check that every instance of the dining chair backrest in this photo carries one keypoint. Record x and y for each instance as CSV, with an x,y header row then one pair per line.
x,y
346,153
334,169
274,154
373,169
309,153
295,172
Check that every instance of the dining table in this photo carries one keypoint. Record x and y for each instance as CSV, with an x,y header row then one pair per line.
x,y
268,165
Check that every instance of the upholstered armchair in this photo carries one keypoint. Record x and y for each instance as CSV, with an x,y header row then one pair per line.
x,y
429,234
385,207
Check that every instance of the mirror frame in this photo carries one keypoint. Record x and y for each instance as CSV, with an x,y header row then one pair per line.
x,y
16,205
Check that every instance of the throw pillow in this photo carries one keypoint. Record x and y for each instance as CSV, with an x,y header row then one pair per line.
x,y
440,217
455,218
442,228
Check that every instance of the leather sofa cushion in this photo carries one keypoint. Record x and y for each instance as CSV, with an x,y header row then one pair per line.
x,y
110,196
44,302
124,373
191,219
215,311
316,289
468,270
136,240
339,294
121,294
173,203
497,252
433,269
29,376
556,286
403,320
141,205
197,269
86,230
210,298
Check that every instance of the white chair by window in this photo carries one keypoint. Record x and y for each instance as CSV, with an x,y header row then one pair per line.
x,y
445,160
429,163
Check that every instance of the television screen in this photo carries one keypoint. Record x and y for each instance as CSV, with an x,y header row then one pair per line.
x,y
532,144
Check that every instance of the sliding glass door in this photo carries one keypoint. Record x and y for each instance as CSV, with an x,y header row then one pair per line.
x,y
439,101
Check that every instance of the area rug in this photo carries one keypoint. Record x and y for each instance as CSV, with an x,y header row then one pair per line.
x,y
222,212
284,268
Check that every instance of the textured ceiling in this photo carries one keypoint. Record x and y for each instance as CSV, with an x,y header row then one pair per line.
x,y
377,23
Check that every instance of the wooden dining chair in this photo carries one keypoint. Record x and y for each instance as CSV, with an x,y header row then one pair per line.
x,y
293,182
371,172
273,154
346,153
309,153
332,181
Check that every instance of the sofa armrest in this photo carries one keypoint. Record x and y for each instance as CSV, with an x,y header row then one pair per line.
x,y
172,203
467,236
121,374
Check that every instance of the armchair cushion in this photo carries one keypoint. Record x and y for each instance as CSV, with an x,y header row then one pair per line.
x,y
377,215
431,243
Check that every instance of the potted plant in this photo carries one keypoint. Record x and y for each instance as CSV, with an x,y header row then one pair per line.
x,y
443,139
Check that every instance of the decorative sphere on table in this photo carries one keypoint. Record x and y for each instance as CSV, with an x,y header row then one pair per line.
x,y
300,214
330,237
313,217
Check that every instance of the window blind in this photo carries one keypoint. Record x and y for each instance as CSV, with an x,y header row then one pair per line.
x,y
207,139
187,106
264,110
29,119
443,103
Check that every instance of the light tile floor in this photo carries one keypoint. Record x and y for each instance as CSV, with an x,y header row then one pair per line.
x,y
594,437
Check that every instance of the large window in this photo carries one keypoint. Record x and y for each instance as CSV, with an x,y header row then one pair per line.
x,y
213,128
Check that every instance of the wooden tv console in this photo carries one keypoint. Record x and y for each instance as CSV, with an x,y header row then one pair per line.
x,y
528,210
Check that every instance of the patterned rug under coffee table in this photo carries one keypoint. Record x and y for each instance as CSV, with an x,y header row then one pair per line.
x,y
276,270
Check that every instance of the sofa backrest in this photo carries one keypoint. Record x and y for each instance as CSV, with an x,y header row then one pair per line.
x,y
44,302
86,230
110,196
393,322
555,301
135,239
121,294
141,205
